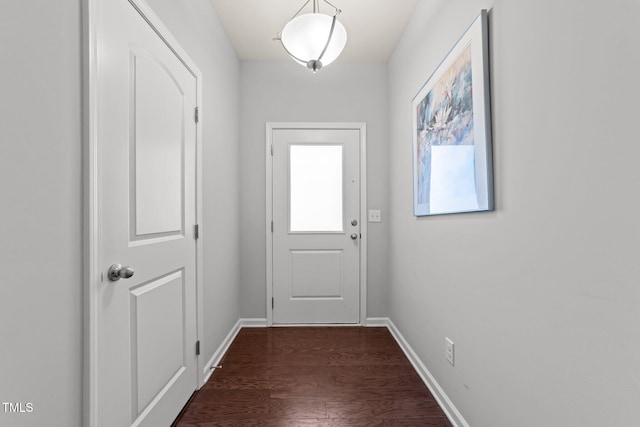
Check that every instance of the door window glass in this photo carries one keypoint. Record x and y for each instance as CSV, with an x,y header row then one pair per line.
x,y
316,175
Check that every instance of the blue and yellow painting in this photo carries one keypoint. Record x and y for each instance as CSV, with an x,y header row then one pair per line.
x,y
445,119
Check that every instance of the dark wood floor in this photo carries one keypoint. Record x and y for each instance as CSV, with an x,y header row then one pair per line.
x,y
315,376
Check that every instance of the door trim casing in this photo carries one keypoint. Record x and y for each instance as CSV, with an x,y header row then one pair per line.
x,y
362,128
92,191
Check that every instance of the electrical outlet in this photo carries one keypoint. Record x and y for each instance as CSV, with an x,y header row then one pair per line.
x,y
375,215
448,352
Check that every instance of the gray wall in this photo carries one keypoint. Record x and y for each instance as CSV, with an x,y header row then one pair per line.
x,y
41,197
287,92
41,211
541,296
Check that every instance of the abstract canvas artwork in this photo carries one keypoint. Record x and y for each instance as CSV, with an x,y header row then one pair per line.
x,y
452,131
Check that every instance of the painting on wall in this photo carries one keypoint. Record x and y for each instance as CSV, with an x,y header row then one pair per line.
x,y
452,155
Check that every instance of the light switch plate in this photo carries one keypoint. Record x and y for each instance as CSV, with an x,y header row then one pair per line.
x,y
375,215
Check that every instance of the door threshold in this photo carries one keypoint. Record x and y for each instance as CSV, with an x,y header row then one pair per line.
x,y
301,325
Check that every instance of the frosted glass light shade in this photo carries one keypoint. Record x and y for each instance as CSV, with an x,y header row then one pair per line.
x,y
305,37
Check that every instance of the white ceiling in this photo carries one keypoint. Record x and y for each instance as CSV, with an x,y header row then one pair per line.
x,y
373,26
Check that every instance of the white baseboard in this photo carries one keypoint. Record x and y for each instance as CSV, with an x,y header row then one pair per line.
x,y
438,393
377,322
219,353
253,323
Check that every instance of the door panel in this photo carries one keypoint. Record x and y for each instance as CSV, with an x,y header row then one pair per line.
x,y
316,196
157,124
317,274
147,141
157,358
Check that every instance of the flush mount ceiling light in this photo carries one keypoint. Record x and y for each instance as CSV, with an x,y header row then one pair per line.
x,y
314,39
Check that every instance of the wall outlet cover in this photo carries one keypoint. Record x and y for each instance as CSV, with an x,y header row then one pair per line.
x,y
449,351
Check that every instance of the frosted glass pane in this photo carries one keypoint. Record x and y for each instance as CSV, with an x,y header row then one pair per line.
x,y
316,187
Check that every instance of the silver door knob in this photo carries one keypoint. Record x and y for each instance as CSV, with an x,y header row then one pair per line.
x,y
354,236
117,272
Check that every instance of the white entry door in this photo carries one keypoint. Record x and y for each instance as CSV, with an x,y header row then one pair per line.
x,y
147,135
316,225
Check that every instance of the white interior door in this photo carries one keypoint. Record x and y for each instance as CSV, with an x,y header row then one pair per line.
x,y
147,140
316,229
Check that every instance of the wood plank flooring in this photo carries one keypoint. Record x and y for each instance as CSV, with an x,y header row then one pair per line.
x,y
314,376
